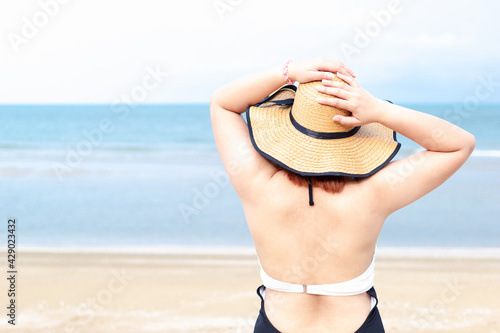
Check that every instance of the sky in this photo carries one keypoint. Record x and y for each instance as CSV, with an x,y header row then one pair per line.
x,y
161,51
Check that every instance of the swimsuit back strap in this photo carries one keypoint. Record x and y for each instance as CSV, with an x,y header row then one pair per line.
x,y
356,286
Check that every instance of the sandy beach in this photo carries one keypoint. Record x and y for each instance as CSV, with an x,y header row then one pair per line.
x,y
215,292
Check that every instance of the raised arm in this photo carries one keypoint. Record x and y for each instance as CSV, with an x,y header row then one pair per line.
x,y
241,161
403,181
249,90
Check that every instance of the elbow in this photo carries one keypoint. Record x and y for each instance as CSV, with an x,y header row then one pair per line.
x,y
214,101
469,143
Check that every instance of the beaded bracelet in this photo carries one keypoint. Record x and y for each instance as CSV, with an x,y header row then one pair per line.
x,y
285,72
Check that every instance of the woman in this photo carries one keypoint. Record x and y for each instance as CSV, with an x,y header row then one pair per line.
x,y
333,137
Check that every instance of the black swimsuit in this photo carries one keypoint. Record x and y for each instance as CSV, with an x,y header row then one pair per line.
x,y
372,324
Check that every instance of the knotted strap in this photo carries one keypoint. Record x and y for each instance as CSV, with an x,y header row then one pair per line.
x,y
311,202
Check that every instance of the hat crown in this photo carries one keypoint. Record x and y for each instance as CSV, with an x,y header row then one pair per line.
x,y
315,116
324,147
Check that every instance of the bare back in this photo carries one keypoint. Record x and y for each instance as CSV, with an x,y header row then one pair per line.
x,y
330,242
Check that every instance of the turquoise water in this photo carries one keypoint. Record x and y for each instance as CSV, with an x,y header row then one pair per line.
x,y
97,175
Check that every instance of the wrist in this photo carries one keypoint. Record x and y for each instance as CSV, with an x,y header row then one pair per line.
x,y
382,110
288,72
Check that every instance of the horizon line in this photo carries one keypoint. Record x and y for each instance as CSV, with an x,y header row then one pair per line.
x,y
208,103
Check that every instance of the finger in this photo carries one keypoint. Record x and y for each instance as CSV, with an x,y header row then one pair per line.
x,y
320,76
347,121
350,71
336,92
336,102
350,81
332,66
344,71
337,84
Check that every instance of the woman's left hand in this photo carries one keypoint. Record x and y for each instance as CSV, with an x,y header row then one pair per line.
x,y
350,96
316,70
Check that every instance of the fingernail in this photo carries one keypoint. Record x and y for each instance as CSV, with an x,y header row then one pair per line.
x,y
331,76
319,99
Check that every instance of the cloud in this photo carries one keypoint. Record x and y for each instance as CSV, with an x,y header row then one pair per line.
x,y
92,51
445,40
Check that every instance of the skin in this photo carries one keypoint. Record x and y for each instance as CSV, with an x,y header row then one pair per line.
x,y
334,240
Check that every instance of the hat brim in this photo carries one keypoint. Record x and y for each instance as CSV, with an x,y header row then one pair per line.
x,y
274,136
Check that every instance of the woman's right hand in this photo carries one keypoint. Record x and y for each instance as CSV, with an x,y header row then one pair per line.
x,y
316,70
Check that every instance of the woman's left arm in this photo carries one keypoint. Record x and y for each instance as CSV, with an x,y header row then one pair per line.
x,y
244,165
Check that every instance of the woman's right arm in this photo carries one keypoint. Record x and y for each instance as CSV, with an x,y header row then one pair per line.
x,y
404,181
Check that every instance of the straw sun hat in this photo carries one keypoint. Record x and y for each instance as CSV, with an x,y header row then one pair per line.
x,y
293,130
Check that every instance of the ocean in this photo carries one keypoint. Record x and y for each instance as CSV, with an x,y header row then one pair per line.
x,y
150,175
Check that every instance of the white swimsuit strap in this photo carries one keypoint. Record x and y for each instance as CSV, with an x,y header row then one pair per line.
x,y
355,286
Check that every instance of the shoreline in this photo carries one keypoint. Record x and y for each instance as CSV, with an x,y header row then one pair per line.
x,y
382,251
